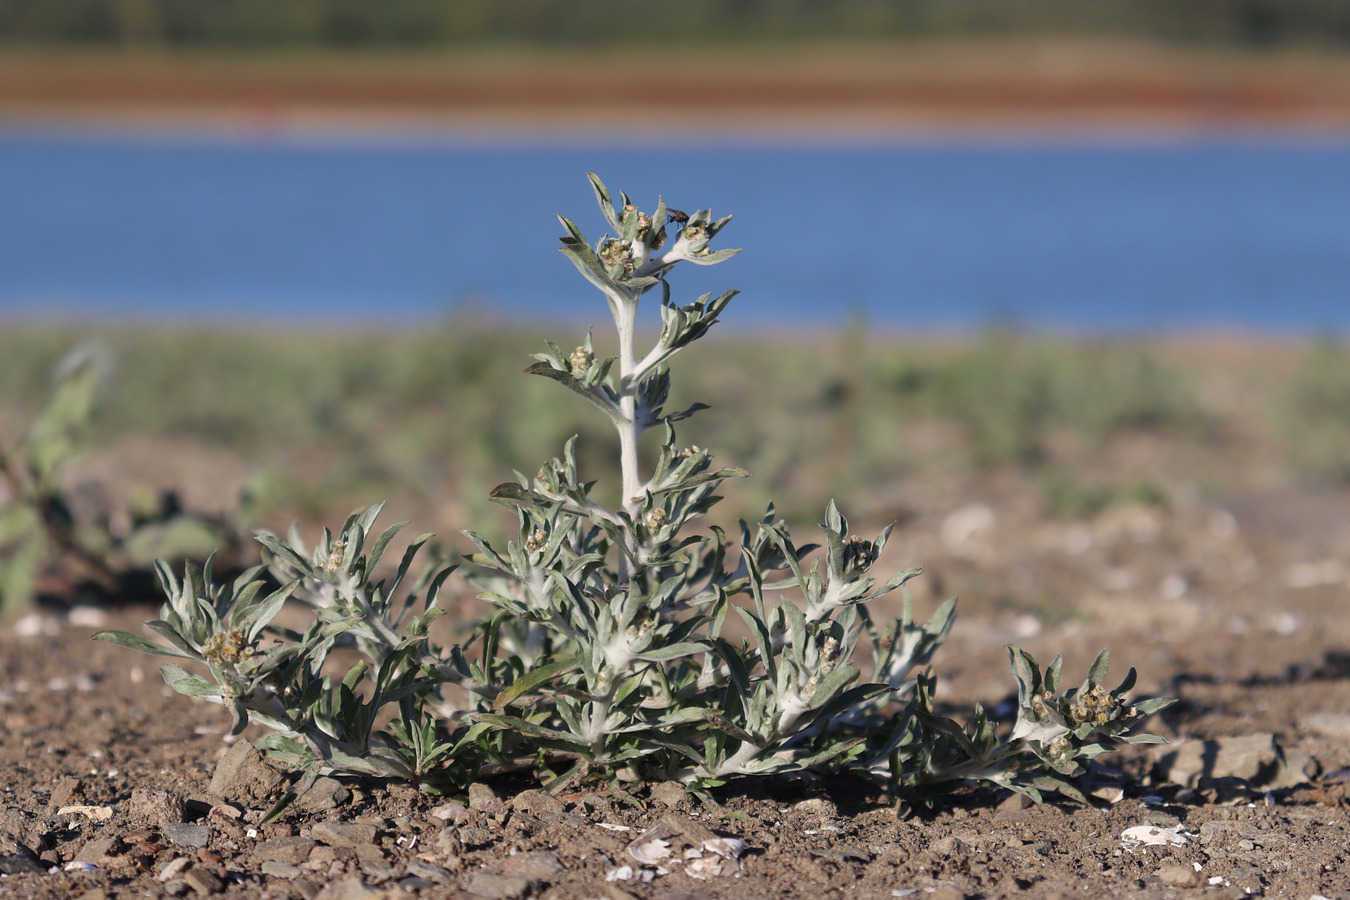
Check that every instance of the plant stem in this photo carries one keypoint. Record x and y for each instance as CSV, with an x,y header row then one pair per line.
x,y
625,319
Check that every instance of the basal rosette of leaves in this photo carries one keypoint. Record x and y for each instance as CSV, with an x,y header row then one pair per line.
x,y
620,642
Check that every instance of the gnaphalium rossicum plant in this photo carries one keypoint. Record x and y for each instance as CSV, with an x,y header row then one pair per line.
x,y
606,650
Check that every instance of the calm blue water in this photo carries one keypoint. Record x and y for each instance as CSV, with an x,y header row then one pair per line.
x,y
1055,233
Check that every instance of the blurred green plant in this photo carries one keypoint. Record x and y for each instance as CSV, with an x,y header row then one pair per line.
x,y
1315,419
1012,393
607,650
39,531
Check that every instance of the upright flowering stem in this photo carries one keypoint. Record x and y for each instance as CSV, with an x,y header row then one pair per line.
x,y
625,319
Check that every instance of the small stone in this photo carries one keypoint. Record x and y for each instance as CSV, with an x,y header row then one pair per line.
x,y
322,858
203,882
949,846
20,864
1330,725
589,804
275,869
447,843
187,835
66,792
377,871
420,868
94,851
539,803
350,888
343,834
93,813
671,794
154,807
497,887
369,851
480,795
1015,802
1179,874
816,806
242,775
173,869
1254,758
449,812
536,865
325,794
292,850
473,836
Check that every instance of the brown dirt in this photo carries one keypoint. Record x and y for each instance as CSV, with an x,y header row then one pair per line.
x,y
808,90
1234,603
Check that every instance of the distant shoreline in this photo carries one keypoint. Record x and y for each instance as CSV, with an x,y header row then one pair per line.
x,y
809,93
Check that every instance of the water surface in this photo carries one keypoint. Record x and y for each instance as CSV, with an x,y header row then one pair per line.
x,y
1175,233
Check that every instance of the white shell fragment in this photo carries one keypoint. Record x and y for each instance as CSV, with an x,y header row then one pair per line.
x,y
675,840
649,850
620,873
612,827
1153,836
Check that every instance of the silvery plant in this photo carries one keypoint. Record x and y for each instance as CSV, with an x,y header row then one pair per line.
x,y
619,642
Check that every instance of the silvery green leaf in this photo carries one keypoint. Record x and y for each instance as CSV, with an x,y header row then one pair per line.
x,y
836,681
284,551
671,651
532,680
1140,739
486,555
135,642
723,724
515,723
604,200
1150,706
260,615
173,633
1052,674
592,395
382,542
185,682
514,492
406,562
1097,671
829,754
714,257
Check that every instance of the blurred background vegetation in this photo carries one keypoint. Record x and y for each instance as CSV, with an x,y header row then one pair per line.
x,y
285,423
447,23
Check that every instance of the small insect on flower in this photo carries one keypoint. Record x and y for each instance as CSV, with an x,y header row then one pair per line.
x,y
678,216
